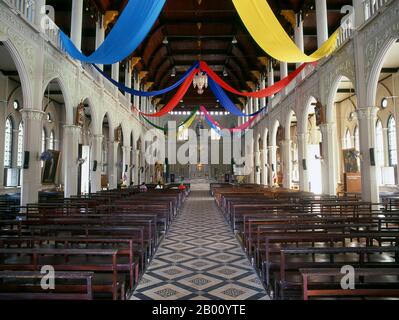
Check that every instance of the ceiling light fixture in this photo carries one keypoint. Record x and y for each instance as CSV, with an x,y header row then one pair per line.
x,y
234,41
165,41
173,72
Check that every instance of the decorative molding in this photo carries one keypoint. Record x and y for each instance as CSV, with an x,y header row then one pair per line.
x,y
32,114
109,17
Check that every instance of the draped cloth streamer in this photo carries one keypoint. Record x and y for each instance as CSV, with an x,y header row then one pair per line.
x,y
130,30
269,91
226,102
241,127
151,93
176,98
192,116
267,31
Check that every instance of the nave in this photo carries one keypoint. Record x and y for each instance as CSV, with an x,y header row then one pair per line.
x,y
200,259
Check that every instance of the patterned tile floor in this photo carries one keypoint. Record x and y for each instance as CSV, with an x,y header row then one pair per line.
x,y
200,259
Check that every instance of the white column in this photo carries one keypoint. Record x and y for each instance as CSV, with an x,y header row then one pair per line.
x,y
367,117
71,153
257,167
265,170
39,12
31,177
322,22
302,155
136,98
272,164
283,73
95,176
270,77
263,86
128,81
299,34
283,70
100,35
360,17
76,23
287,163
115,71
329,163
2,128
126,162
112,165
136,157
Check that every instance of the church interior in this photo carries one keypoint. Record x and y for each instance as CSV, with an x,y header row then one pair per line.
x,y
199,149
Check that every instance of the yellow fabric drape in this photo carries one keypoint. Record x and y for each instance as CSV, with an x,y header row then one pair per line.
x,y
267,31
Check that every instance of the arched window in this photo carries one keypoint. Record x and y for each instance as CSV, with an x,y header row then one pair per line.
x,y
393,161
347,140
51,141
379,143
20,144
8,143
356,136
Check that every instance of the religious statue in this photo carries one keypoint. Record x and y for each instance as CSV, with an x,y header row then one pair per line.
x,y
80,115
118,134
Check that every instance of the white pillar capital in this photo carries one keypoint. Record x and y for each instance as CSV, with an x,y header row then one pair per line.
x,y
367,113
71,128
32,114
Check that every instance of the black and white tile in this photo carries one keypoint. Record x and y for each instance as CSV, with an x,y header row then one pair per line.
x,y
200,259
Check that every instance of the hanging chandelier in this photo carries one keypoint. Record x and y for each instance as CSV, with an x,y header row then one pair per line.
x,y
200,81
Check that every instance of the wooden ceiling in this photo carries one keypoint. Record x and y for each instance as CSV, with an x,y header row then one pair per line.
x,y
211,30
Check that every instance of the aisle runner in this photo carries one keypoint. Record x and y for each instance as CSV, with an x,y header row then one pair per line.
x,y
200,259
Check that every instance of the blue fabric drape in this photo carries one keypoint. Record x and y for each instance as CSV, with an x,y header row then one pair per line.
x,y
130,30
151,93
226,102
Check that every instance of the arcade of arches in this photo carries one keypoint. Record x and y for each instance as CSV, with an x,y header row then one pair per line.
x,y
67,132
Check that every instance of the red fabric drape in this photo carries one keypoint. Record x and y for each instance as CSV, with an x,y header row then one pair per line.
x,y
269,91
176,98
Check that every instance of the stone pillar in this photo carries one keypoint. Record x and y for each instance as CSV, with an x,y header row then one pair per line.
x,y
262,87
283,73
115,71
71,154
272,164
128,81
322,22
136,157
40,6
100,35
136,87
31,177
3,111
265,168
126,163
299,33
329,163
112,165
287,164
76,23
257,168
360,17
367,117
302,155
270,77
96,155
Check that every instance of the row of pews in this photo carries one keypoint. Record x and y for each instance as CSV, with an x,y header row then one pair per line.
x,y
96,246
305,246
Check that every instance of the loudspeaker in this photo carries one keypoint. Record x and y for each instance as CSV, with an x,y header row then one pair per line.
x,y
272,167
304,164
95,166
26,159
126,168
372,157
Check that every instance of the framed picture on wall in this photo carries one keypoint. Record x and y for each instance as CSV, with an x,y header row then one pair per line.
x,y
350,161
50,167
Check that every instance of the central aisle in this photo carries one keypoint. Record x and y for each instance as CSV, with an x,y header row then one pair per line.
x,y
200,259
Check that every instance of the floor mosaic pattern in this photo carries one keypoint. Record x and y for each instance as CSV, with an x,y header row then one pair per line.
x,y
200,259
